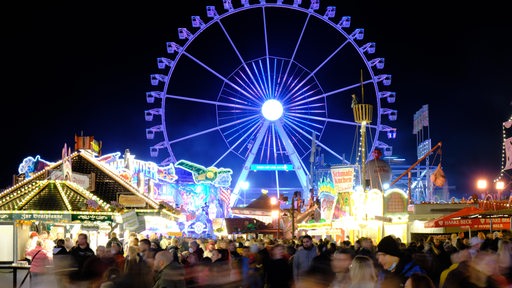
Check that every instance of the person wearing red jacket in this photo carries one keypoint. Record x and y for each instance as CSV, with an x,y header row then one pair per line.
x,y
40,261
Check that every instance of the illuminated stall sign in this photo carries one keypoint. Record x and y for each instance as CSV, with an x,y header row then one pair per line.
x,y
132,201
91,217
201,174
45,216
272,167
343,178
85,181
130,220
90,227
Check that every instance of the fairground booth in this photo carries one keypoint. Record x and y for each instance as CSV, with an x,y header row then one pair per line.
x,y
96,194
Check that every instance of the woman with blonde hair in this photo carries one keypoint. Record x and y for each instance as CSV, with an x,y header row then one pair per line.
x,y
362,272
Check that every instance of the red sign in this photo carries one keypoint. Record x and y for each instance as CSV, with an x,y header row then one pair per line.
x,y
474,223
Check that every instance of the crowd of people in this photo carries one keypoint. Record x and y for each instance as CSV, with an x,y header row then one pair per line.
x,y
151,261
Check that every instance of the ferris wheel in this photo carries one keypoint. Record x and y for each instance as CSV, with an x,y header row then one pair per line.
x,y
267,90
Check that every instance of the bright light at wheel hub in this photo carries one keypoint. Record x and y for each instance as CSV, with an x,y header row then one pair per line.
x,y
272,110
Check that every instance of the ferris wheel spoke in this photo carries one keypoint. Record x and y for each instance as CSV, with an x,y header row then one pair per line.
x,y
299,41
304,125
233,96
347,88
240,130
324,119
298,139
210,102
312,74
260,83
319,143
237,52
216,74
210,130
251,131
328,58
267,82
296,95
292,155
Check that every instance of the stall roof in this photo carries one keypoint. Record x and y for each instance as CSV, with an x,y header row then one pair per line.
x,y
444,221
246,225
40,192
502,213
467,217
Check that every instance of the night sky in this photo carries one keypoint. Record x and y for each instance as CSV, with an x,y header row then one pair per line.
x,y
85,69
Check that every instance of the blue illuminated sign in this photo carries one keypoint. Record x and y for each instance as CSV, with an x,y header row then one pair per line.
x,y
271,167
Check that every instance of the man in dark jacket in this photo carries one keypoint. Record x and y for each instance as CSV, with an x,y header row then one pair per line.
x,y
80,253
396,266
169,273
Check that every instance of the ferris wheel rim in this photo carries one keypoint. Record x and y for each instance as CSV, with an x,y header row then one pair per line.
x,y
181,51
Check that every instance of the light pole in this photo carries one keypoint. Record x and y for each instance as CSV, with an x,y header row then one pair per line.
x,y
275,213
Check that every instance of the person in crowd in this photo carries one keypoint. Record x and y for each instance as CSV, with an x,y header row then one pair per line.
x,y
164,242
344,243
419,280
264,246
111,278
61,263
68,243
340,266
48,243
59,248
434,259
169,273
127,241
397,266
455,258
250,272
80,253
479,271
96,265
31,242
234,255
362,272
191,259
210,246
505,258
320,268
40,262
145,251
460,241
113,238
453,241
117,253
331,246
367,248
174,243
220,270
279,272
136,273
303,258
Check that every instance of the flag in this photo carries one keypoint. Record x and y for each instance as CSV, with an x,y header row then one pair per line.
x,y
420,119
225,195
96,146
508,149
